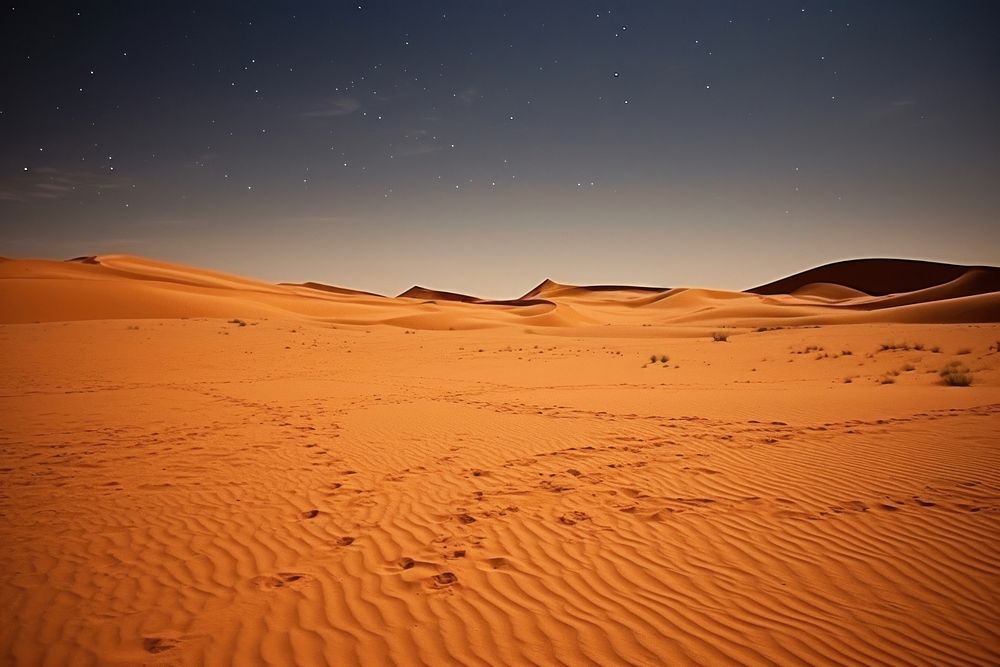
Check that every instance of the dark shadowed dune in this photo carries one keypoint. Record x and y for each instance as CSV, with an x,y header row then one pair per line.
x,y
517,302
418,292
331,288
550,288
881,277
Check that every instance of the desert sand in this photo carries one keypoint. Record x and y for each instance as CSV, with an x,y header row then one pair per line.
x,y
203,469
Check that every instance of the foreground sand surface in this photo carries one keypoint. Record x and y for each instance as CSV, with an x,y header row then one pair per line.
x,y
285,492
202,469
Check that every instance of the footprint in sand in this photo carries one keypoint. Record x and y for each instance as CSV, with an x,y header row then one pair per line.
x,y
344,541
572,518
309,514
279,580
855,506
157,644
444,579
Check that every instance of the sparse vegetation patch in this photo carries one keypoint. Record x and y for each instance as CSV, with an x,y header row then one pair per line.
x,y
956,374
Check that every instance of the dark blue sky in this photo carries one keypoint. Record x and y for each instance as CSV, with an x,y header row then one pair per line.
x,y
482,146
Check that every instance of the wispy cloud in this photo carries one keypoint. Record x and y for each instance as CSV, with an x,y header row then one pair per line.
x,y
338,106
418,142
892,109
421,148
51,183
468,95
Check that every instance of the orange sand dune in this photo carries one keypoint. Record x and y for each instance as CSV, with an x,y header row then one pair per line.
x,y
549,288
880,277
417,292
330,288
117,286
827,291
202,469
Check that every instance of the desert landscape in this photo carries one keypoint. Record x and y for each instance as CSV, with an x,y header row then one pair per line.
x,y
203,469
500,334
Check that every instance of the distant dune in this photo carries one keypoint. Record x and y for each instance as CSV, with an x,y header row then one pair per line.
x,y
858,291
417,292
330,288
880,277
551,288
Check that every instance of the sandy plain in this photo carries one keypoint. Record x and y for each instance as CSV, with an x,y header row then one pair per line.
x,y
202,469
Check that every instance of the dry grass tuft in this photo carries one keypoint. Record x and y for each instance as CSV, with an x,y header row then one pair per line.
x,y
956,374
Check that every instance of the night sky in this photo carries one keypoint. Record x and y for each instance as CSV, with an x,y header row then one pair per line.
x,y
483,146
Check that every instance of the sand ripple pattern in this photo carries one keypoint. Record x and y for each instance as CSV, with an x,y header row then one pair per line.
x,y
247,523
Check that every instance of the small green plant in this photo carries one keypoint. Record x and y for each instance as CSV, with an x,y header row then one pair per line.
x,y
720,337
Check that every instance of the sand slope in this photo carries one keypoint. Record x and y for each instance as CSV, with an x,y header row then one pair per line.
x,y
199,492
203,469
117,286
880,277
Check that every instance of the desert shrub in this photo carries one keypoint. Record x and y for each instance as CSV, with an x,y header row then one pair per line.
x,y
237,322
846,353
957,379
720,337
664,358
908,367
956,374
888,379
964,350
652,358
